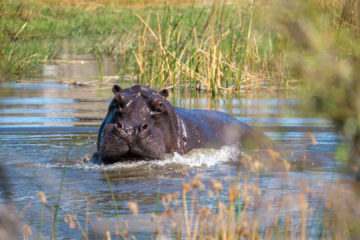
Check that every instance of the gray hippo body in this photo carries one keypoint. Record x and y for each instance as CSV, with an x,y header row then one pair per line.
x,y
142,124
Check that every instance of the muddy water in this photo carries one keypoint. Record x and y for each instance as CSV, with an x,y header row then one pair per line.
x,y
46,119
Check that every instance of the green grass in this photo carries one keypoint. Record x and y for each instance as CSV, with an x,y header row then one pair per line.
x,y
48,32
57,206
215,46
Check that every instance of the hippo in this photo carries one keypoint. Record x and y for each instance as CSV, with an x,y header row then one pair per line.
x,y
142,124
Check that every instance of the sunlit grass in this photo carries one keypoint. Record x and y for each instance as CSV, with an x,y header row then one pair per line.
x,y
215,47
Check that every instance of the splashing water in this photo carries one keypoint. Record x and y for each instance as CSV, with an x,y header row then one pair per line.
x,y
205,157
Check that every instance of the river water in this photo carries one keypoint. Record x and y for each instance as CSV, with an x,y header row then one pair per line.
x,y
47,119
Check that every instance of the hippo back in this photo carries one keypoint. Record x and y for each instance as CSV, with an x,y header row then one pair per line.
x,y
207,128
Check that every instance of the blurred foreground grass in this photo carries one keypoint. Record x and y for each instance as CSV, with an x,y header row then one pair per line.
x,y
202,209
324,54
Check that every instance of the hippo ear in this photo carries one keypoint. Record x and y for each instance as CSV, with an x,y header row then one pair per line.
x,y
116,89
164,93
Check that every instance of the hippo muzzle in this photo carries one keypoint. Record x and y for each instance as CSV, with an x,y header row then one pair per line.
x,y
120,142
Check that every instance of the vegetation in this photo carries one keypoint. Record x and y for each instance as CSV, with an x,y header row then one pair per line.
x,y
214,47
245,211
324,53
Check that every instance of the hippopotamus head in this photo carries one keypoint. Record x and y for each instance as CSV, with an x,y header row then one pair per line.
x,y
140,123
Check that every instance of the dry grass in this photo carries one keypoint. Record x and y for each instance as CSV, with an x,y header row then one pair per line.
x,y
219,54
202,209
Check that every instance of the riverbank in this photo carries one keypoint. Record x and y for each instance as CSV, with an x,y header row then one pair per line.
x,y
215,46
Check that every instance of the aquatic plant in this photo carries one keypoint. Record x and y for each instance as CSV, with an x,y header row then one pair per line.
x,y
42,197
57,206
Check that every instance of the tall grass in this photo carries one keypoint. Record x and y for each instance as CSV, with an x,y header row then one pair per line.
x,y
215,47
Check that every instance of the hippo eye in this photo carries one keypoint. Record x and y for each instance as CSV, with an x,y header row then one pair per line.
x,y
118,107
157,107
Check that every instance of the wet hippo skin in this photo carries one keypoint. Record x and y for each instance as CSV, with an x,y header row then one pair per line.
x,y
142,124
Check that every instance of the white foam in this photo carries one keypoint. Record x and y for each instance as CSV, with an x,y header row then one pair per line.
x,y
195,158
204,157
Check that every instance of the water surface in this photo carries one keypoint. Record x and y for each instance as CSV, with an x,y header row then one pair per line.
x,y
47,118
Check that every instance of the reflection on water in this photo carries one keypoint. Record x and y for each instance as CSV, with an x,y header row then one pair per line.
x,y
43,120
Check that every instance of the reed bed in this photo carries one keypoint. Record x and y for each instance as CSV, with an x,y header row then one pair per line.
x,y
216,46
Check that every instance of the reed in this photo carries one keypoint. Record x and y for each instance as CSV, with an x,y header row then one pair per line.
x,y
206,56
213,47
57,206
114,200
99,63
42,196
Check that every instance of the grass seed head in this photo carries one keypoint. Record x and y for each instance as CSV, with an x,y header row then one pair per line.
x,y
273,154
42,196
287,165
27,232
169,213
196,183
69,218
257,166
210,193
133,207
168,198
204,212
186,188
233,193
216,185
312,138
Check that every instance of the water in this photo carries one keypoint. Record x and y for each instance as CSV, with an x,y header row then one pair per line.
x,y
44,121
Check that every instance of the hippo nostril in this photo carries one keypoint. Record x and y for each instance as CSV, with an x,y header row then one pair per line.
x,y
119,125
144,127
